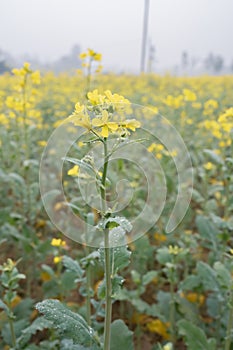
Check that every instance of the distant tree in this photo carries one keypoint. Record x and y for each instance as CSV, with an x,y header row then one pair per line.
x,y
68,62
218,63
231,66
3,63
184,59
208,61
214,63
194,61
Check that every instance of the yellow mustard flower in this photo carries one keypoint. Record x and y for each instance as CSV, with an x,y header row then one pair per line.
x,y
189,95
80,120
131,124
58,242
168,346
95,98
105,125
42,143
35,76
78,108
115,98
83,55
159,327
208,166
57,259
73,171
174,250
160,237
97,57
193,297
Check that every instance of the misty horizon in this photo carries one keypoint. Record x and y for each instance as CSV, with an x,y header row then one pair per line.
x,y
47,31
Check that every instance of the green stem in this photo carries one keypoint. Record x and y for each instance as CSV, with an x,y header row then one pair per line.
x,y
108,292
12,332
11,324
172,310
88,87
229,325
108,297
88,300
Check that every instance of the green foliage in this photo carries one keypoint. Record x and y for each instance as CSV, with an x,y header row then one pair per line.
x,y
121,336
70,325
195,337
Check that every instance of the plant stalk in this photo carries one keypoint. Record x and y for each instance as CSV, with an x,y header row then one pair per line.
x,y
108,291
229,325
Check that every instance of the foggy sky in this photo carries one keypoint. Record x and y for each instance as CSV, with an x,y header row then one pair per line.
x,y
48,29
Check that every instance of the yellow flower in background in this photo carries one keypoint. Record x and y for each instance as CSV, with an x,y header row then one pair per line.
x,y
35,76
90,52
105,125
211,104
209,166
83,55
193,297
160,237
175,102
168,346
58,242
159,327
57,259
97,57
99,69
175,250
85,65
189,95
42,143
73,171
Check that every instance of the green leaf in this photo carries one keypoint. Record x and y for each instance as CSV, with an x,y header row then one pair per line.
x,y
163,256
117,282
39,324
118,221
207,230
67,344
3,306
208,277
19,326
120,258
191,282
119,255
148,277
215,158
17,178
49,270
195,338
197,197
71,325
223,275
121,336
72,265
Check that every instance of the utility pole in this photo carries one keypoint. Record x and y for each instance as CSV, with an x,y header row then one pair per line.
x,y
144,35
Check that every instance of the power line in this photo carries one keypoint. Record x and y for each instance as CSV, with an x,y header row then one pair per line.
x,y
144,34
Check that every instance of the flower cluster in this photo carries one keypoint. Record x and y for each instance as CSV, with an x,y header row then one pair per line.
x,y
90,57
103,108
23,73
